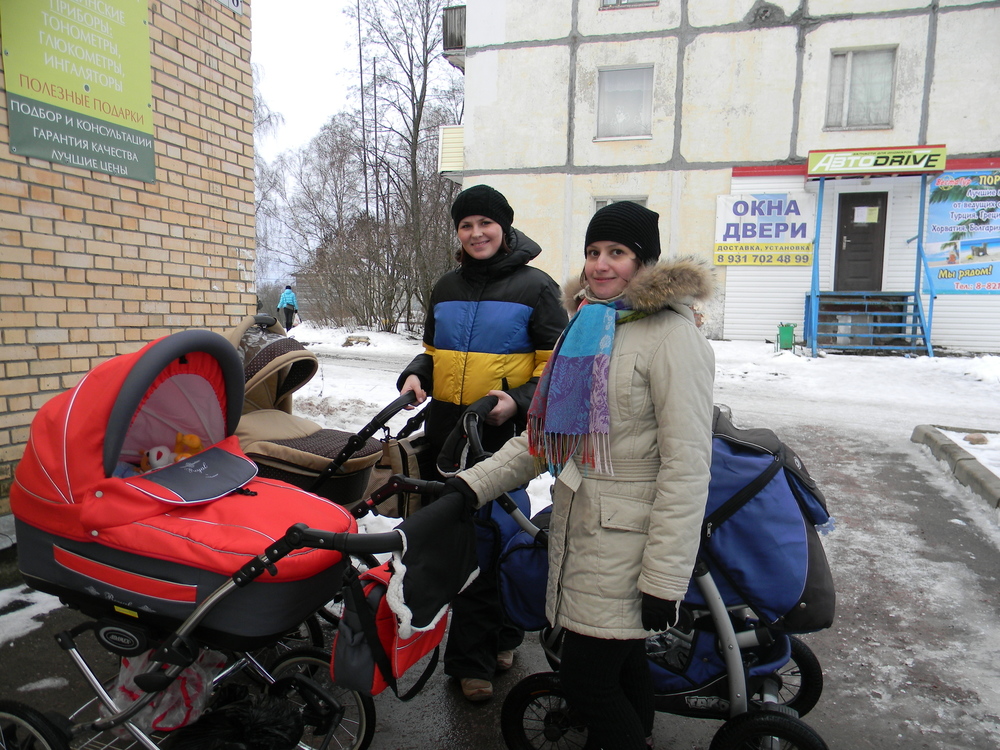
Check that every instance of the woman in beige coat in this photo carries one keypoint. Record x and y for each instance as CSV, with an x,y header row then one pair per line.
x,y
622,417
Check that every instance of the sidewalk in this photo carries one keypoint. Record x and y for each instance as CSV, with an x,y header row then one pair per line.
x,y
966,468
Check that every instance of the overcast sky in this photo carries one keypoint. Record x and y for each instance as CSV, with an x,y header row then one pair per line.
x,y
307,52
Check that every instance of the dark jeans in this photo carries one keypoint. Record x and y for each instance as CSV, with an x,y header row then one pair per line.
x,y
289,317
609,685
478,631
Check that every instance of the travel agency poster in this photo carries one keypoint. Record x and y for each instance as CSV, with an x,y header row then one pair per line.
x,y
962,242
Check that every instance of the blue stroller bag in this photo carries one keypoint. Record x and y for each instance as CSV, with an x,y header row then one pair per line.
x,y
523,573
495,528
759,538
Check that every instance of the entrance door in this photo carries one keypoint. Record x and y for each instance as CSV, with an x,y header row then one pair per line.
x,y
860,242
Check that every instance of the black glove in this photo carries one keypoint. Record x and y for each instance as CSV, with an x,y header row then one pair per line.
x,y
459,486
658,614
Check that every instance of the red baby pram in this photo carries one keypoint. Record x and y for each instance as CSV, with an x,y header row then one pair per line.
x,y
104,539
168,564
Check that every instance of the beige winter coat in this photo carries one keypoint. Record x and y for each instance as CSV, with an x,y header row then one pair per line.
x,y
613,537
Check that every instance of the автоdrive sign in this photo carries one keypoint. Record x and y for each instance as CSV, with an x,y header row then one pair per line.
x,y
891,160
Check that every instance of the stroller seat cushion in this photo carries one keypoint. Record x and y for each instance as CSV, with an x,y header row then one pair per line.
x,y
271,434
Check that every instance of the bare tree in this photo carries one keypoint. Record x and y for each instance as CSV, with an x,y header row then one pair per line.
x,y
411,83
367,259
269,190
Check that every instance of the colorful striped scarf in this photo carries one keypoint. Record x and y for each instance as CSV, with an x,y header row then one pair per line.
x,y
569,410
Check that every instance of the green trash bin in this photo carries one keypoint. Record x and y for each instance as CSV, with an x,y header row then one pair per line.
x,y
786,336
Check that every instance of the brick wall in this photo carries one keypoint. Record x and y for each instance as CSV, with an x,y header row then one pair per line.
x,y
93,265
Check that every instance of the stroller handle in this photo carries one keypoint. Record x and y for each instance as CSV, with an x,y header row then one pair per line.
x,y
472,425
299,535
379,420
360,438
396,485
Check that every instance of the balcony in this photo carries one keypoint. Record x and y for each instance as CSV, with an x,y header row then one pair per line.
x,y
451,151
453,31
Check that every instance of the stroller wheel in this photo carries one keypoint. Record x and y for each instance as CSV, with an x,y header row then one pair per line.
x,y
536,716
24,728
763,730
307,633
801,679
321,703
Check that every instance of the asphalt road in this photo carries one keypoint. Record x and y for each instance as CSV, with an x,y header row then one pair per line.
x,y
912,661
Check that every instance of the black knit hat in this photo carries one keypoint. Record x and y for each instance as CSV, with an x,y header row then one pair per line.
x,y
629,224
482,200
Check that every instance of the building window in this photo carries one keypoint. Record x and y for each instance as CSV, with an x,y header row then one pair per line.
x,y
625,102
624,3
600,203
861,87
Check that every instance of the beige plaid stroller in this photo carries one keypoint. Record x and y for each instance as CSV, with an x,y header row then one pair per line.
x,y
334,464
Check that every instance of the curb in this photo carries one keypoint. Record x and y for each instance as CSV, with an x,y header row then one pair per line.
x,y
963,464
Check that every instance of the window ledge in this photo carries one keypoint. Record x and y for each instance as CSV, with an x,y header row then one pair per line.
x,y
839,128
649,4
605,138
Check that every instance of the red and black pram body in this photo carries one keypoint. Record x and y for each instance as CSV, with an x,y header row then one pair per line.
x,y
111,541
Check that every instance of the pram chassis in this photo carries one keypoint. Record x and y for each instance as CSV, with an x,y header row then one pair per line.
x,y
180,648
742,717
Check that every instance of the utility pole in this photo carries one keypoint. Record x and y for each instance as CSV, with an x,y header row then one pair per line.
x,y
364,130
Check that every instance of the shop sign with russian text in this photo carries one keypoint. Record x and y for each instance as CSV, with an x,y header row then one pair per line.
x,y
962,241
867,161
765,229
78,83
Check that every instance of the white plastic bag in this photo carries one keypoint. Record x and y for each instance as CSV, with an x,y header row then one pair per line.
x,y
177,706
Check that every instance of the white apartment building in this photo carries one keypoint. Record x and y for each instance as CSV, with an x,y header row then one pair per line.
x,y
707,111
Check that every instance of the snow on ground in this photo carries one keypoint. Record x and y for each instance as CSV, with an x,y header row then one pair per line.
x,y
949,391
879,399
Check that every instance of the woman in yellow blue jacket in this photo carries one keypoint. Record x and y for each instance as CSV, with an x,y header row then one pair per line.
x,y
492,325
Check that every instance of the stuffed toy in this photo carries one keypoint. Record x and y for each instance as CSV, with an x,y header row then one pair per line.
x,y
159,456
186,446
156,458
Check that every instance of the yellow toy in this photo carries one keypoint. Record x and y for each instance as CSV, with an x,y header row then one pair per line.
x,y
186,446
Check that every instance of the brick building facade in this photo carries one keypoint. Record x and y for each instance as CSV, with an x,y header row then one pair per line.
x,y
94,265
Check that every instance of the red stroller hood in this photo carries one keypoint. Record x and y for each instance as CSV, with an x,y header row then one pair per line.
x,y
190,382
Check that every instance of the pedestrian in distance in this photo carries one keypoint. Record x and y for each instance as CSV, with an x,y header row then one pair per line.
x,y
289,305
622,419
490,329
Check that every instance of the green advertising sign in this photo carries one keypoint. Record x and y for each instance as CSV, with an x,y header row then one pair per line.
x,y
865,161
78,83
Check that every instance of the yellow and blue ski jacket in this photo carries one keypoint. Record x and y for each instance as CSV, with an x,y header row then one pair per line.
x,y
492,326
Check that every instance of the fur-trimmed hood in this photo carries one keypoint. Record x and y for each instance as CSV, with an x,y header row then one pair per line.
x,y
679,282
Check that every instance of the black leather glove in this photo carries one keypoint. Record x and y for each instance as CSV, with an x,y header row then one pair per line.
x,y
459,486
658,614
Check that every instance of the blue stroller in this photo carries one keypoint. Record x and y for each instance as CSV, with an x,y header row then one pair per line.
x,y
761,576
